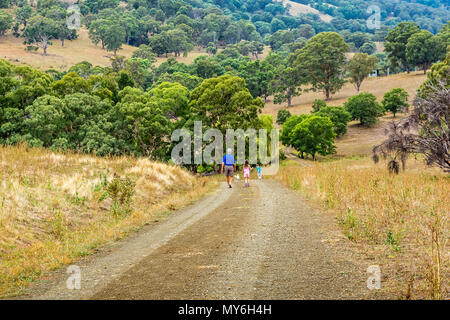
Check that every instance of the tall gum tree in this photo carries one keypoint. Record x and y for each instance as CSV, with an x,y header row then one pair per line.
x,y
322,61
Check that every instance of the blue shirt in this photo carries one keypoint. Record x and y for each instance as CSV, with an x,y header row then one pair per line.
x,y
228,159
259,169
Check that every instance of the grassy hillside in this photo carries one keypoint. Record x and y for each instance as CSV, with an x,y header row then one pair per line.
x,y
393,219
358,140
429,14
53,207
62,58
378,86
298,8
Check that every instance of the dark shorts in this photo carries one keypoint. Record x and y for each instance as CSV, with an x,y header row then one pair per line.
x,y
229,171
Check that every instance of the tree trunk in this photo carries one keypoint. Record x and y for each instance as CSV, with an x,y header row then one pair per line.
x,y
327,94
62,42
44,47
103,44
143,146
408,71
289,101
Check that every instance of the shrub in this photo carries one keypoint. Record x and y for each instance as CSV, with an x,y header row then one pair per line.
x,y
338,115
368,47
395,101
282,116
58,223
282,155
314,135
121,191
31,48
205,168
288,126
364,107
318,104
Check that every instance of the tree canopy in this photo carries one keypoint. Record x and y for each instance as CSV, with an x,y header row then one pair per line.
x,y
314,135
395,101
225,103
423,49
364,107
322,62
396,42
359,68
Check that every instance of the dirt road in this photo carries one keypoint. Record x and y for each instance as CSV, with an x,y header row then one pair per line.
x,y
263,242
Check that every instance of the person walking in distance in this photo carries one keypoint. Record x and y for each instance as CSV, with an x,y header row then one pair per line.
x,y
259,170
229,167
246,173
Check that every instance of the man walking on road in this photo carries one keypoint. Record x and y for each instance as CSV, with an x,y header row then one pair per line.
x,y
229,165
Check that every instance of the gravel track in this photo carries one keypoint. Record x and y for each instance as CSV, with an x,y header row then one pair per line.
x,y
262,242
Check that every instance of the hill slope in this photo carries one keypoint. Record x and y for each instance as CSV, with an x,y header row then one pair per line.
x,y
358,140
298,8
54,208
62,58
429,14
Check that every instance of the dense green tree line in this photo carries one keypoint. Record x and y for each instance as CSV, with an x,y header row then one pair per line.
x,y
106,113
132,106
176,26
409,46
429,14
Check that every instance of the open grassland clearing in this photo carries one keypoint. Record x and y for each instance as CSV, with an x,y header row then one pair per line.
x,y
377,86
359,140
298,8
62,58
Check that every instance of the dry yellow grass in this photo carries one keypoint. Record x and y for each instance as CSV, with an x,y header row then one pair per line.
x,y
265,53
51,212
380,46
391,216
297,8
197,52
62,58
378,86
358,140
